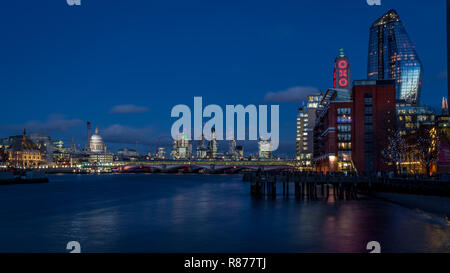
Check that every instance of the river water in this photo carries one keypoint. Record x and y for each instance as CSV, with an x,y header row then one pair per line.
x,y
159,213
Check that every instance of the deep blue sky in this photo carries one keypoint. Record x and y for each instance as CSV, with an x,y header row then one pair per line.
x,y
61,66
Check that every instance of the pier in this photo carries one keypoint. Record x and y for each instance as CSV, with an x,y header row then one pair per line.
x,y
314,186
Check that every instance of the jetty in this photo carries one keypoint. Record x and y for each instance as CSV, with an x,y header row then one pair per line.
x,y
23,177
317,186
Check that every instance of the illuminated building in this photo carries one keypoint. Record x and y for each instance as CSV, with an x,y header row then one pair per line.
x,y
351,129
97,150
182,148
213,146
411,118
96,144
201,150
161,153
233,152
46,144
342,72
4,143
240,151
305,131
392,56
443,121
24,153
264,149
333,131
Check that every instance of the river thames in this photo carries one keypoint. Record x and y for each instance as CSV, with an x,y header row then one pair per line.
x,y
159,213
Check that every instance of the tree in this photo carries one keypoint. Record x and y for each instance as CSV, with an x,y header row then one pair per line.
x,y
428,146
395,151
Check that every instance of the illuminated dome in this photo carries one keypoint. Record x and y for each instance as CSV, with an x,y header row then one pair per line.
x,y
96,144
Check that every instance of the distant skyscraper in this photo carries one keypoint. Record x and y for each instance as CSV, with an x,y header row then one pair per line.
x,y
392,56
213,146
341,74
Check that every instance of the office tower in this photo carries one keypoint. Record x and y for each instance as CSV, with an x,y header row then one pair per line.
x,y
305,136
392,56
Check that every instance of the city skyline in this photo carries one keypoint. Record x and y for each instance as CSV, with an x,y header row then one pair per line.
x,y
107,72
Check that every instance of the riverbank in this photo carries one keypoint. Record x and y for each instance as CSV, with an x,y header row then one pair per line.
x,y
439,206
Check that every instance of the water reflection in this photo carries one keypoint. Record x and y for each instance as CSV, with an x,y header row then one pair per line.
x,y
173,213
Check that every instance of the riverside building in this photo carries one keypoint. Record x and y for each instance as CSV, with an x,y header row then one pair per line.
x,y
352,127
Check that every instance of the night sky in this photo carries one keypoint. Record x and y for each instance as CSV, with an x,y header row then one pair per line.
x,y
124,64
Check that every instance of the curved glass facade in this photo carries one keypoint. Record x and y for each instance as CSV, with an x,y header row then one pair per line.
x,y
392,56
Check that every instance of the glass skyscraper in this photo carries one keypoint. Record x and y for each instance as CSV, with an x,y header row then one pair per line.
x,y
392,56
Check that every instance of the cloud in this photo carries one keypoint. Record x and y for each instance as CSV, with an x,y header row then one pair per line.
x,y
54,123
127,135
128,109
295,94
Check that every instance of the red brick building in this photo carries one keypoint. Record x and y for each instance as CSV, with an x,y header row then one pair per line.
x,y
352,129
374,109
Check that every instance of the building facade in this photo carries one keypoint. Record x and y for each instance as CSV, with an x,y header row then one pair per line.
x,y
351,128
264,149
333,131
24,153
392,56
411,118
374,119
305,131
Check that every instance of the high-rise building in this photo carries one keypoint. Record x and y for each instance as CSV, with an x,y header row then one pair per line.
x,y
305,131
201,150
213,146
392,56
411,118
161,154
182,148
264,149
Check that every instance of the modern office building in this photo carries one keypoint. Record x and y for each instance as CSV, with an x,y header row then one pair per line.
x,y
201,149
411,118
213,146
161,154
392,56
305,131
264,149
182,148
